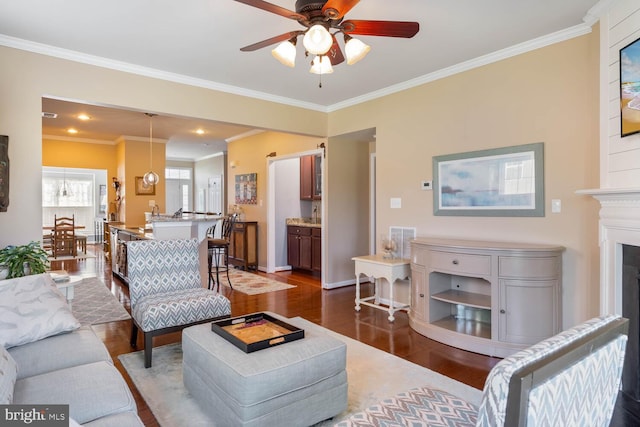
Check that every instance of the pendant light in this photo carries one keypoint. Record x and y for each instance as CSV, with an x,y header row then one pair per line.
x,y
65,191
150,178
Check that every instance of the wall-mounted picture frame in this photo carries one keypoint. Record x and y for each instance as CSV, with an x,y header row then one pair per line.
x,y
142,189
506,181
630,89
247,189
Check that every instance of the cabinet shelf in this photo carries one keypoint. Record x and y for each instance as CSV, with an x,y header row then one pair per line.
x,y
487,297
469,299
465,326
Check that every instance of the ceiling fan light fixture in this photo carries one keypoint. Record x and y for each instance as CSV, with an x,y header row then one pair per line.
x,y
286,53
321,65
317,40
355,49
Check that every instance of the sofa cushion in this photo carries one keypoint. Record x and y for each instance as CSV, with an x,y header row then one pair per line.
x,y
8,374
122,419
92,391
32,308
60,351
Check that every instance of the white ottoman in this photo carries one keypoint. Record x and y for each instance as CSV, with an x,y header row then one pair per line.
x,y
294,384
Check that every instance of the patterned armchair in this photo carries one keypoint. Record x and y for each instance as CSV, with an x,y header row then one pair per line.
x,y
165,290
570,379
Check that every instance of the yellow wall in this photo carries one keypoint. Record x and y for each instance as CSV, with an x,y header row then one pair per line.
x,y
136,164
73,154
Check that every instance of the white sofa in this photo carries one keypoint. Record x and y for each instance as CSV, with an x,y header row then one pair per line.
x,y
46,358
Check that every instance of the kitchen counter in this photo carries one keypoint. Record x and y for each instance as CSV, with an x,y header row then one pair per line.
x,y
304,222
184,217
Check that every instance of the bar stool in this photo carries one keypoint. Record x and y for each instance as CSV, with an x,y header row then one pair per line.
x,y
218,247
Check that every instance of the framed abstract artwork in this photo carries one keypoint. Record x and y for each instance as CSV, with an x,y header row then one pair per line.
x,y
247,189
630,89
505,181
142,189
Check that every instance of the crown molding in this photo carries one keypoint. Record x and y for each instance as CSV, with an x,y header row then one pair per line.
x,y
76,139
98,61
592,16
559,36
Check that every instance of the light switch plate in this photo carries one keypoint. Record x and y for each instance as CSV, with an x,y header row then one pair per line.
x,y
396,203
556,206
425,185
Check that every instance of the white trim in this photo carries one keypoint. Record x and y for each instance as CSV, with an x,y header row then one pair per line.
x,y
558,36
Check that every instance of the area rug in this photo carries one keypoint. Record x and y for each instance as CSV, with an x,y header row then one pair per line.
x,y
250,283
373,375
70,257
93,303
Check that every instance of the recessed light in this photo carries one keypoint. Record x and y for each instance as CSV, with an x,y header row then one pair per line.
x,y
84,117
200,132
72,130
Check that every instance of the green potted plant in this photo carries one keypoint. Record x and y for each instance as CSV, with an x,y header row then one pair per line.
x,y
24,259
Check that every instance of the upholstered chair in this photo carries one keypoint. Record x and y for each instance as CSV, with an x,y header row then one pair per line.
x,y
166,292
569,379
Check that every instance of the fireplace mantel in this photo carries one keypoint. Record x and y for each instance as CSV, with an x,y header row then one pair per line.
x,y
619,225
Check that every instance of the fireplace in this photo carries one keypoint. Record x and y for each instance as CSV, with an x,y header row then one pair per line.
x,y
631,310
619,231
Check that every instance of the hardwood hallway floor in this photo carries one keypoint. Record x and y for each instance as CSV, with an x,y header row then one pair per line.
x,y
333,309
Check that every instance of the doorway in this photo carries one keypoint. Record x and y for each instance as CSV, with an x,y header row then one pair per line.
x,y
283,201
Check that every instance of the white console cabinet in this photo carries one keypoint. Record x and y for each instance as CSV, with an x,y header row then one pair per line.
x,y
493,298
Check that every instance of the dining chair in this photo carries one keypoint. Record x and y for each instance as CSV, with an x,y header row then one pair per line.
x,y
63,239
218,250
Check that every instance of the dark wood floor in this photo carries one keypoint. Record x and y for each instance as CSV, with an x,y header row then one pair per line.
x,y
333,309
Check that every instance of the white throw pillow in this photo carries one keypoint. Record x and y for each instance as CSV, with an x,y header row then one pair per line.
x,y
32,308
8,374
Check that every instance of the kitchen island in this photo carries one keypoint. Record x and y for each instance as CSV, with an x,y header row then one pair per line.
x,y
162,227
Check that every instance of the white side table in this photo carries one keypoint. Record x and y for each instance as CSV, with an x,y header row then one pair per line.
x,y
377,266
67,287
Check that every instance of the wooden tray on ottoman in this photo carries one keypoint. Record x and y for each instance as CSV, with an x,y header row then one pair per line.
x,y
256,331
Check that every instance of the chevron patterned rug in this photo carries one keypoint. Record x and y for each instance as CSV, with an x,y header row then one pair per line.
x,y
373,375
93,303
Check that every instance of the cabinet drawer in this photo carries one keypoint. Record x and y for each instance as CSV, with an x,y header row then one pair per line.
x,y
316,232
529,267
477,265
299,231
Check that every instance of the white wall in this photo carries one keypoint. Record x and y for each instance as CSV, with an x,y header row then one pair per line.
x,y
619,157
287,204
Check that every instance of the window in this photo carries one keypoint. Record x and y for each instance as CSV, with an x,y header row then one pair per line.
x,y
178,188
62,189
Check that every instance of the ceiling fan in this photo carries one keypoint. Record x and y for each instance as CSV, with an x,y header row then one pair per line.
x,y
319,18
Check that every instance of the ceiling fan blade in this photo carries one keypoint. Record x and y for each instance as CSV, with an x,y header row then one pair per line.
x,y
381,28
336,9
269,7
272,40
335,53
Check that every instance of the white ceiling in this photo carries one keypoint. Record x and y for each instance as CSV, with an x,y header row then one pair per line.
x,y
199,42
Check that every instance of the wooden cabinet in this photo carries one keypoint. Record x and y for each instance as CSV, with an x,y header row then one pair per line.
x,y
487,297
304,247
243,248
316,249
311,177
